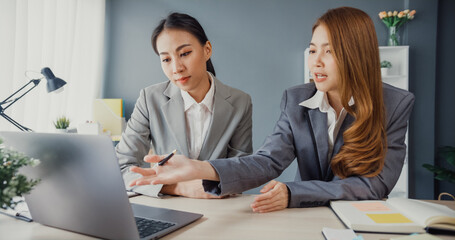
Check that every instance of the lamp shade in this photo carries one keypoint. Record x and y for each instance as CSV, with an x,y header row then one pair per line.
x,y
53,83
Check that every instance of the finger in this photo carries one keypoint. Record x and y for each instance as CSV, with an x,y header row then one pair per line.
x,y
153,158
157,179
276,200
270,208
266,202
132,183
268,186
264,196
144,180
143,171
278,192
210,196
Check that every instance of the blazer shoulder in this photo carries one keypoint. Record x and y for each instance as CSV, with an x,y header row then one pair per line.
x,y
158,88
395,93
396,101
231,94
299,93
394,96
154,95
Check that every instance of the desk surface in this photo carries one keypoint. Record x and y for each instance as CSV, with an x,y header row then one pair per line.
x,y
229,218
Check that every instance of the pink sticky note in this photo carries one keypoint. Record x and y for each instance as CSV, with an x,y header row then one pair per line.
x,y
371,206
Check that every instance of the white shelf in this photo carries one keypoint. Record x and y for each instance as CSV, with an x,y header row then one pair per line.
x,y
398,76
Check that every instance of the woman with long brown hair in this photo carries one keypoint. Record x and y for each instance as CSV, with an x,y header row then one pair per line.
x,y
346,130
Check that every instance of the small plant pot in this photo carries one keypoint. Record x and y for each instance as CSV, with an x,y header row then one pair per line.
x,y
60,130
384,72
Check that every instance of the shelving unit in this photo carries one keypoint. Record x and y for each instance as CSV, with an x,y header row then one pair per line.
x,y
397,76
399,73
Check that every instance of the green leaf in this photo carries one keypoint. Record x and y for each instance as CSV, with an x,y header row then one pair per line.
x,y
448,153
11,182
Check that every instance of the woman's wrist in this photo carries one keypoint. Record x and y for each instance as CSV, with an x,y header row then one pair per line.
x,y
171,189
205,170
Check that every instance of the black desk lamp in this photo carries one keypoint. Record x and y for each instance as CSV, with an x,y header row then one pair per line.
x,y
53,83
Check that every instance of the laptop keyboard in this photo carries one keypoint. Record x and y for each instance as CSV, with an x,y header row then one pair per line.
x,y
148,227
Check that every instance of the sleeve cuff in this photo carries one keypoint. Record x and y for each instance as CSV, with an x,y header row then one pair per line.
x,y
212,187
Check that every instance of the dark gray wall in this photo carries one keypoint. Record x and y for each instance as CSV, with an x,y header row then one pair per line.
x,y
258,46
445,85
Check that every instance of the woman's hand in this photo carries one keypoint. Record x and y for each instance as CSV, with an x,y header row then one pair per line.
x,y
178,169
191,189
274,197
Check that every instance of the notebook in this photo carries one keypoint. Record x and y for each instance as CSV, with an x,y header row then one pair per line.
x,y
396,215
82,190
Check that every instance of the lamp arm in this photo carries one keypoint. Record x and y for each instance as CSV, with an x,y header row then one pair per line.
x,y
18,125
12,101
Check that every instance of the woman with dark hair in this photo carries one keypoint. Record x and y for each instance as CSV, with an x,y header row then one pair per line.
x,y
193,112
346,130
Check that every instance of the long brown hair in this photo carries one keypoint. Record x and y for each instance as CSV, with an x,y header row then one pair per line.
x,y
355,47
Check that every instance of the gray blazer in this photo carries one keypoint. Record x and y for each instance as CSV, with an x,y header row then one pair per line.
x,y
158,122
301,134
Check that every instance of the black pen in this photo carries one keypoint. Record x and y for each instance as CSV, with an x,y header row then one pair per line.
x,y
23,218
162,162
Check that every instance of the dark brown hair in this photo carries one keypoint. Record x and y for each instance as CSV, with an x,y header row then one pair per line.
x,y
183,22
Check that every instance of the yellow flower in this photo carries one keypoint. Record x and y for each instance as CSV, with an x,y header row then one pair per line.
x,y
390,13
395,13
406,11
400,15
382,14
412,13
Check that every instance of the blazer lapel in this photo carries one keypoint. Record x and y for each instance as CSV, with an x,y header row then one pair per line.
x,y
175,117
318,121
222,114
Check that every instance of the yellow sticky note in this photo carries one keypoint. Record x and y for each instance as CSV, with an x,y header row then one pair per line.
x,y
389,218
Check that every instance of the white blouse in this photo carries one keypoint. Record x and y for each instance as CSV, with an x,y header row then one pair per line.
x,y
198,117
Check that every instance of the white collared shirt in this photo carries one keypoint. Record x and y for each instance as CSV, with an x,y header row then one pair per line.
x,y
198,117
320,100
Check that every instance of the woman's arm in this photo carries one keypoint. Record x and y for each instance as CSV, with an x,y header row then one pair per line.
x,y
135,139
178,169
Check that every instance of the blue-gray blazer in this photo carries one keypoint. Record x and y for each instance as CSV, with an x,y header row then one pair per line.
x,y
158,122
301,134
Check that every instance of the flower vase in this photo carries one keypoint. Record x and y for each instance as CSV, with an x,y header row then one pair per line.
x,y
394,38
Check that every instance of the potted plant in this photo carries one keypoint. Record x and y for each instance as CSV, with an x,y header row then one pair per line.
x,y
12,183
443,173
385,65
61,124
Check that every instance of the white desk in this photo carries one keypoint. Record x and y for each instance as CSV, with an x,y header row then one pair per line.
x,y
229,218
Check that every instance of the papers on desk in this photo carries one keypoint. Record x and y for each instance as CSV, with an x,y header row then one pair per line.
x,y
20,211
148,190
339,234
396,215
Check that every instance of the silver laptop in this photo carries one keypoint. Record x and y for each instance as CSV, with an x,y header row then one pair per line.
x,y
82,190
